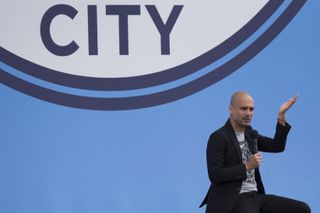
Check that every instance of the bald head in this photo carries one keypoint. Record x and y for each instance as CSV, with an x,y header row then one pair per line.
x,y
234,101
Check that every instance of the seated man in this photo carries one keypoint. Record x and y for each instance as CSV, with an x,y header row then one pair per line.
x,y
233,161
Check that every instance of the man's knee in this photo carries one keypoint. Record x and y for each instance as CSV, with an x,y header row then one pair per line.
x,y
305,208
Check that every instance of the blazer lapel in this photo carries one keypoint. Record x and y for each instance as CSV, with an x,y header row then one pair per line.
x,y
234,140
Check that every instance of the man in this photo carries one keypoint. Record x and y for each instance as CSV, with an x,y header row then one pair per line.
x,y
236,185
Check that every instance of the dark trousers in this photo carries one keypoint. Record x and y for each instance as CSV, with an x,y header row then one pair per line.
x,y
252,202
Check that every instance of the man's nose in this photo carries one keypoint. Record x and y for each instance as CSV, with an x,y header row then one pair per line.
x,y
248,112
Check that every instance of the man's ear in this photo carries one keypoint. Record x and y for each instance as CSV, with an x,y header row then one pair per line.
x,y
231,109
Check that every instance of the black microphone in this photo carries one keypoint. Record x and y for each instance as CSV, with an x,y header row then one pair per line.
x,y
254,136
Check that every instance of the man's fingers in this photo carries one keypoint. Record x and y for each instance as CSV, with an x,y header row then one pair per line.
x,y
259,160
288,104
256,158
258,155
291,101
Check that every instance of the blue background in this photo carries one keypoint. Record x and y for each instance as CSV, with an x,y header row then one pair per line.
x,y
64,160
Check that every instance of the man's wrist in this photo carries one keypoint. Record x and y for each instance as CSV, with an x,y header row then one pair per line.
x,y
282,119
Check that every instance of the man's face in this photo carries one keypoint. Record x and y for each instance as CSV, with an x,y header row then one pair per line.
x,y
241,111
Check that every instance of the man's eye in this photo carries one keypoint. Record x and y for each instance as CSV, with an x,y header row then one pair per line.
x,y
247,108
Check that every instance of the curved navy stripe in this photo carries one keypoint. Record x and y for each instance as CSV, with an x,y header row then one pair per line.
x,y
164,96
143,81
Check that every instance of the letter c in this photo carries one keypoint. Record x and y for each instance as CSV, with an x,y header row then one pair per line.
x,y
50,14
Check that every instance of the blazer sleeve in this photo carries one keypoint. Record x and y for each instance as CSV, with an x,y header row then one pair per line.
x,y
277,143
220,167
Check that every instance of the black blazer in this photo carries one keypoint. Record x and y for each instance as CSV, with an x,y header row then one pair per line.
x,y
225,168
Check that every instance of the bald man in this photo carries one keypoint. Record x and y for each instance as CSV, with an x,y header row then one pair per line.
x,y
233,165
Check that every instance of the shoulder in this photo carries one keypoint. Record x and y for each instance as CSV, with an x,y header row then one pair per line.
x,y
219,134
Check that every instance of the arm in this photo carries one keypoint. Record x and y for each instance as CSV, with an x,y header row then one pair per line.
x,y
223,166
278,143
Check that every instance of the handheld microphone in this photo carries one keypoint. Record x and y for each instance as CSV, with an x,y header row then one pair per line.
x,y
254,136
